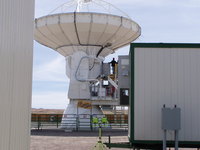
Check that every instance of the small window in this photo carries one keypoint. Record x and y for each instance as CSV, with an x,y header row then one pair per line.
x,y
105,82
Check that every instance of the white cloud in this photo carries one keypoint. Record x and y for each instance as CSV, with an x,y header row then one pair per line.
x,y
50,100
51,71
120,51
44,7
161,21
134,3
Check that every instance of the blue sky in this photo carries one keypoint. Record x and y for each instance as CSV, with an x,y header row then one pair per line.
x,y
172,21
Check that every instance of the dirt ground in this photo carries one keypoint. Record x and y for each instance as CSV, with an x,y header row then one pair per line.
x,y
69,143
59,140
65,143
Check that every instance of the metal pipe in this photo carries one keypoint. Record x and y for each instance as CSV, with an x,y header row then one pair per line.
x,y
109,141
176,139
165,140
76,30
102,48
85,80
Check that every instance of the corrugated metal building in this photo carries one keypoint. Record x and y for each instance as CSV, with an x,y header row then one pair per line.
x,y
16,52
164,74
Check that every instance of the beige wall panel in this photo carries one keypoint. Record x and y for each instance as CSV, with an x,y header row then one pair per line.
x,y
16,52
166,76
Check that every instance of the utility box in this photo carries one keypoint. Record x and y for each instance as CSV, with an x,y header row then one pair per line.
x,y
171,118
123,79
164,74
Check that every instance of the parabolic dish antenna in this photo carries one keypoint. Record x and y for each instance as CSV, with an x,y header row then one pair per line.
x,y
85,32
86,25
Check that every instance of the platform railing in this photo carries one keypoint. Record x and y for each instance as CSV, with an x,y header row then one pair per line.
x,y
79,122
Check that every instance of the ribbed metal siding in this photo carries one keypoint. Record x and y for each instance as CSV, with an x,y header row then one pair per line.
x,y
16,46
166,76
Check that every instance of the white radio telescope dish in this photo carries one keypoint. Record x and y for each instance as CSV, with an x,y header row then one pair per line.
x,y
85,32
79,24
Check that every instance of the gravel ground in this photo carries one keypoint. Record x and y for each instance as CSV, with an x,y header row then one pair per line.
x,y
70,143
60,140
65,143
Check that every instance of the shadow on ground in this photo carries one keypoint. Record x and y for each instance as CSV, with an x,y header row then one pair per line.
x,y
60,132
